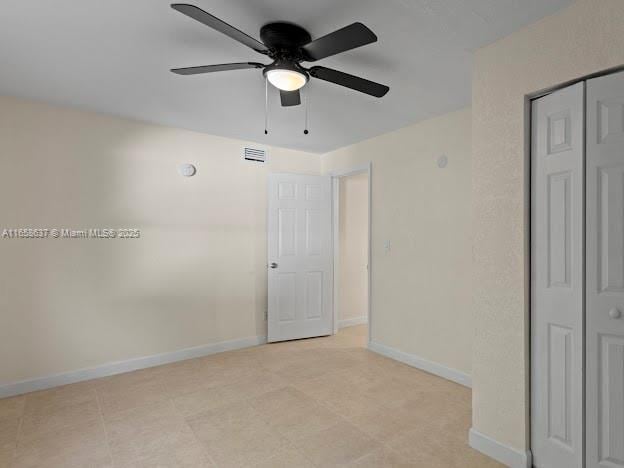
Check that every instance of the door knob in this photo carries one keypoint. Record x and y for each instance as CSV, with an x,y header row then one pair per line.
x,y
615,313
273,265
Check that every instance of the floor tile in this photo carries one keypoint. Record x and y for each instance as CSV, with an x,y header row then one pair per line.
x,y
286,458
9,427
346,397
293,414
59,408
153,434
184,376
76,447
315,363
436,445
382,423
338,445
11,411
213,397
12,408
235,435
131,390
445,410
202,400
206,373
382,458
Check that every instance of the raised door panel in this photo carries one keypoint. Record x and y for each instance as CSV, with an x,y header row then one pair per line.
x,y
314,295
559,229
559,132
609,120
313,232
314,192
611,398
605,273
287,191
560,360
287,232
287,297
610,191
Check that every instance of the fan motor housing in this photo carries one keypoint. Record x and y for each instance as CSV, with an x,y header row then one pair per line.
x,y
282,35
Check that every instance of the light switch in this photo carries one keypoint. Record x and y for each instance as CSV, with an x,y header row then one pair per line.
x,y
387,246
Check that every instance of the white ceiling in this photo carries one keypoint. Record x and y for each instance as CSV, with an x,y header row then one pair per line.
x,y
114,56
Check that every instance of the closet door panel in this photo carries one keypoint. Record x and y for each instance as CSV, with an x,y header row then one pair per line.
x,y
605,272
557,279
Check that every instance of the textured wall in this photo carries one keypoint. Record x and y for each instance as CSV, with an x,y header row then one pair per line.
x,y
586,37
421,287
353,232
196,276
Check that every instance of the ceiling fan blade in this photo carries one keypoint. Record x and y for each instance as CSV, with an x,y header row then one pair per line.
x,y
290,98
349,81
215,68
221,26
347,38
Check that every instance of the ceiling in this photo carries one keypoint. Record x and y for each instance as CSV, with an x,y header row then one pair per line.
x,y
114,56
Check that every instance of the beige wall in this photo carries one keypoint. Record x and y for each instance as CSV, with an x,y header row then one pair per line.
x,y
585,38
353,251
196,276
421,287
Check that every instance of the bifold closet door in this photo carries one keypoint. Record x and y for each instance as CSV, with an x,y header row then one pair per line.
x,y
605,272
557,278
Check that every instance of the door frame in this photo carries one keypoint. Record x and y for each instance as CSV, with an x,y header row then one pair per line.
x,y
336,175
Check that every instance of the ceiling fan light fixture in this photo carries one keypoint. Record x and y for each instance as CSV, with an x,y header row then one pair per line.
x,y
288,44
286,79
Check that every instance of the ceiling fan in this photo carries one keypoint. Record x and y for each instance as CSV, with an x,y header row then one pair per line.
x,y
288,45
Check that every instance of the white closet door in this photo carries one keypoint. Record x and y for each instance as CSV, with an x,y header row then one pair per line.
x,y
557,279
605,272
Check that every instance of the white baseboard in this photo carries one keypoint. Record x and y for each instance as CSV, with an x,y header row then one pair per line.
x,y
119,367
421,363
502,453
352,321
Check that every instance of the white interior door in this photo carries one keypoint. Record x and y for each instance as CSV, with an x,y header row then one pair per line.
x,y
557,248
605,272
299,257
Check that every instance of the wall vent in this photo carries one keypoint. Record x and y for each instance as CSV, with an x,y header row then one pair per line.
x,y
254,154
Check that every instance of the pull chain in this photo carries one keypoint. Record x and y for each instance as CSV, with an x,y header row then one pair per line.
x,y
307,104
266,106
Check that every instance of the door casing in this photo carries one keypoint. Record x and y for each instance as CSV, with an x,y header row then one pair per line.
x,y
365,168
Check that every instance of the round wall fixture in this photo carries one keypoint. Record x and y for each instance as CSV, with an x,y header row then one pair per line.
x,y
186,170
442,161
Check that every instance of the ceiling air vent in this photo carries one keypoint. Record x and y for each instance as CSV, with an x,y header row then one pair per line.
x,y
254,154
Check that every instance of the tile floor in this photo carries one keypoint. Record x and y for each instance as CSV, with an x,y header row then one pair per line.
x,y
311,403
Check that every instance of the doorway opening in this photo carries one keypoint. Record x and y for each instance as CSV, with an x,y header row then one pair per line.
x,y
352,260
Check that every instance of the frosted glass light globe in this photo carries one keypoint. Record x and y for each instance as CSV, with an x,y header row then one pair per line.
x,y
286,80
